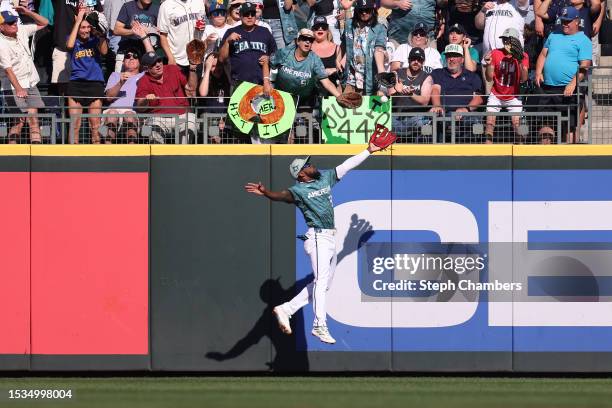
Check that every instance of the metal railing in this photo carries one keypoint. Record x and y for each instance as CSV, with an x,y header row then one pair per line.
x,y
209,125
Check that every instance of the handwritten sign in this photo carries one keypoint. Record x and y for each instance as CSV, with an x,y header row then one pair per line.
x,y
273,115
342,126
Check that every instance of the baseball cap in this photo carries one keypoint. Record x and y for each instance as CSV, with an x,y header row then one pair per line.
x,y
150,58
246,7
365,4
457,28
320,21
297,165
510,32
217,5
415,53
453,49
569,13
306,32
7,17
419,27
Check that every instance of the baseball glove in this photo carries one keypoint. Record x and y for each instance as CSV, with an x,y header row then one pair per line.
x,y
98,23
350,100
195,51
516,49
386,79
382,137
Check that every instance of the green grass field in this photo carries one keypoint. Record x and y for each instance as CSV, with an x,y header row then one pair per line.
x,y
312,392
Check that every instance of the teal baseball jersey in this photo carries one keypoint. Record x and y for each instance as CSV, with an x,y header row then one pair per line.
x,y
314,199
297,77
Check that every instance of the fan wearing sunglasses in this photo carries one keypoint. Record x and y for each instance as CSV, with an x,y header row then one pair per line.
x,y
214,32
418,38
299,69
121,91
364,44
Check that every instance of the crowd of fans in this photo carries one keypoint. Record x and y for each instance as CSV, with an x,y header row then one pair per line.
x,y
450,56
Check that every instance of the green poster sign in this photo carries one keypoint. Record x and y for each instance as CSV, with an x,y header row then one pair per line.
x,y
354,126
273,115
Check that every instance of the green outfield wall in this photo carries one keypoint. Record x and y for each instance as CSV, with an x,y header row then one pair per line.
x,y
154,258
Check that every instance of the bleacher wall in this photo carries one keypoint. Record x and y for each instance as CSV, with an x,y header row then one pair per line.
x,y
155,258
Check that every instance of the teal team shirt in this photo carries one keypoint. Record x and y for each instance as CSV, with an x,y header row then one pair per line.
x,y
297,77
314,199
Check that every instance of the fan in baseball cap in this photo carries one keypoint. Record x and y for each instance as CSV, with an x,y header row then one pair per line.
x,y
247,7
297,165
453,49
6,17
416,53
457,28
149,59
569,13
365,4
510,33
319,22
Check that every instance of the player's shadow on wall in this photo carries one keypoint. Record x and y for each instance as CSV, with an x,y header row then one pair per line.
x,y
286,356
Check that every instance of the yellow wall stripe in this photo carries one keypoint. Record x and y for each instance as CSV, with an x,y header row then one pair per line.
x,y
91,150
209,150
303,150
14,150
563,150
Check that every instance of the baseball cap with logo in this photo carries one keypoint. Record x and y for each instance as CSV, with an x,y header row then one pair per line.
x,y
7,17
453,49
149,59
297,165
416,53
419,27
365,4
246,7
510,33
216,5
457,28
569,13
320,21
305,32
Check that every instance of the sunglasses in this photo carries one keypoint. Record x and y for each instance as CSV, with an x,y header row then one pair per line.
x,y
249,14
218,13
419,34
11,23
421,60
131,55
305,39
366,11
319,28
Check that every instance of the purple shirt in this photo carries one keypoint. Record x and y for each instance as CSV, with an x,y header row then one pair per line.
x,y
127,93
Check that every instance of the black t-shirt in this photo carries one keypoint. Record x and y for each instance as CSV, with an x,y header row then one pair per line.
x,y
404,101
129,13
65,14
244,54
323,8
270,10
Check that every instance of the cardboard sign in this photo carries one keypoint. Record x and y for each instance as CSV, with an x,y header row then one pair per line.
x,y
354,126
273,115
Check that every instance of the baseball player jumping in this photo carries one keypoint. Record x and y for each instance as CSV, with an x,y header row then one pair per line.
x,y
312,195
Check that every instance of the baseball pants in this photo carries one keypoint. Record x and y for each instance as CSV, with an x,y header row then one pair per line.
x,y
321,248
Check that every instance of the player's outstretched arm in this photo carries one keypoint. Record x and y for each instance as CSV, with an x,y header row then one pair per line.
x,y
260,189
352,162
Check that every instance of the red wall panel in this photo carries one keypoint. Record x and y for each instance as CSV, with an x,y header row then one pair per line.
x,y
15,263
89,263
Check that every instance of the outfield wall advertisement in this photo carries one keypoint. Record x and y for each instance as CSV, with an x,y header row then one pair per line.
x,y
450,258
